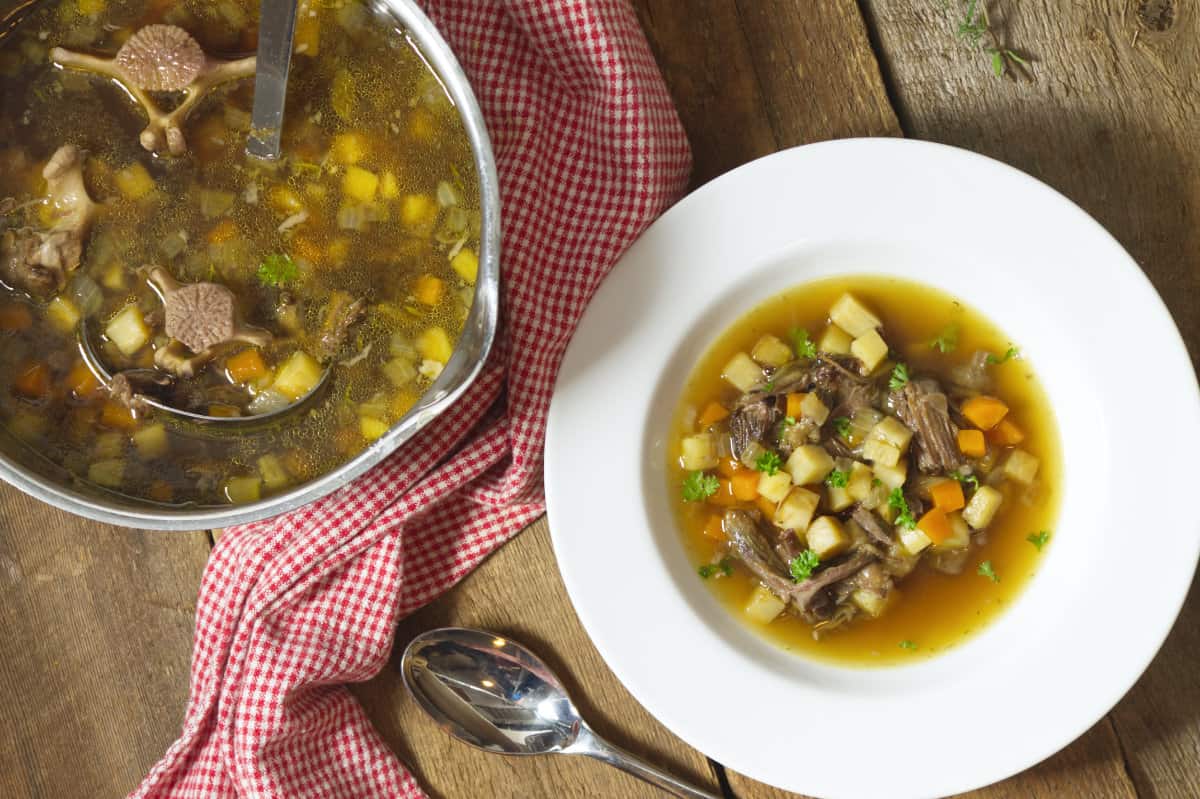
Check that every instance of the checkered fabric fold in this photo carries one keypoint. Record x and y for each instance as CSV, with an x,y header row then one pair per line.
x,y
589,150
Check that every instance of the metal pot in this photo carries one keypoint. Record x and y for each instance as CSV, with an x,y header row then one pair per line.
x,y
41,479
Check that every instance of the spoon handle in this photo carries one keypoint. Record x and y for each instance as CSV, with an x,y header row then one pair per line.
x,y
592,745
276,33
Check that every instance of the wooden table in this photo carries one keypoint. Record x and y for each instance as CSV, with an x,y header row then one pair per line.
x,y
96,622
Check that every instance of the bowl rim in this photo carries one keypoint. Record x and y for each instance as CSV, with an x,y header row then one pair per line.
x,y
470,354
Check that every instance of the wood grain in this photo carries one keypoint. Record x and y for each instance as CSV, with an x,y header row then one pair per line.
x,y
517,593
97,629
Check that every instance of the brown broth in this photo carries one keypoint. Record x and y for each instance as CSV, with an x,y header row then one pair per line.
x,y
933,611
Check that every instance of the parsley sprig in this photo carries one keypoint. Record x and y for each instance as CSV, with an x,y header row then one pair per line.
x,y
768,462
945,341
802,344
967,480
842,426
837,479
976,30
725,567
277,269
909,645
803,565
1038,539
899,376
1009,354
985,569
898,503
699,486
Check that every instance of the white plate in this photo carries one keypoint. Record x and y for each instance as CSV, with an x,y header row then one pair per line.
x,y
1125,546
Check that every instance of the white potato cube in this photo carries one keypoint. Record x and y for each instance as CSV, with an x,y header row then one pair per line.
x,y
698,452
128,330
108,446
859,484
298,375
835,340
274,475
852,316
770,351
151,441
838,499
809,464
891,476
982,508
913,540
880,452
796,510
107,473
1021,466
960,533
774,486
893,431
869,602
826,537
62,314
742,372
870,348
811,407
763,606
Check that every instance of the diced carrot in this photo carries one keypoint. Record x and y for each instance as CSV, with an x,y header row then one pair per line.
x,y
161,491
766,506
33,381
984,412
429,289
745,485
246,366
793,405
947,496
222,232
224,410
935,525
728,467
971,443
117,416
15,316
81,382
1006,434
724,496
713,413
714,528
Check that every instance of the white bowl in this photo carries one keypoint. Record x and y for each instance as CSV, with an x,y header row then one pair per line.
x,y
1114,367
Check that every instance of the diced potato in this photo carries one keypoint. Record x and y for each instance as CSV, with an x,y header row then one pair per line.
x,y
134,182
960,534
893,476
859,484
835,340
297,376
434,345
28,426
429,289
151,441
113,277
1021,466
862,422
128,330
240,490
107,473
360,185
466,264
870,348
389,186
852,316
809,464
774,486
893,431
812,408
826,537
763,606
418,210
838,499
274,475
106,446
698,452
742,372
91,8
371,428
796,510
913,540
399,371
349,148
880,453
770,351
869,602
982,508
62,314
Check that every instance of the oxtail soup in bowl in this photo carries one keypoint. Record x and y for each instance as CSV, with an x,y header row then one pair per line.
x,y
342,278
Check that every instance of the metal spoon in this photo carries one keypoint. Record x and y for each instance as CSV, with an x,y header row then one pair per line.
x,y
87,351
498,696
276,34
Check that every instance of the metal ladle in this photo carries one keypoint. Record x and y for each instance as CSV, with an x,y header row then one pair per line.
x,y
276,35
496,695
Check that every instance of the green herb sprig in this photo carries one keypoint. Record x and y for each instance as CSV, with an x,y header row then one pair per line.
x,y
803,565
699,486
277,269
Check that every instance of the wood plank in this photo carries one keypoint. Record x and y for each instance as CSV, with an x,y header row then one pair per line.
x,y
754,76
97,629
517,593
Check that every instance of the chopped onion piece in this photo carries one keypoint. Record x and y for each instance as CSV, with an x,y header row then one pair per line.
x,y
267,401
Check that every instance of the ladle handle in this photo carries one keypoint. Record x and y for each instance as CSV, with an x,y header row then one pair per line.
x,y
276,34
592,745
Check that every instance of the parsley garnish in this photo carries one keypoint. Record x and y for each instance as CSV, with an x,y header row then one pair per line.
x,y
699,486
1009,354
725,567
1038,539
802,565
801,343
976,30
788,421
967,480
907,644
898,503
768,462
277,269
837,479
899,376
876,482
985,569
842,426
947,340
769,385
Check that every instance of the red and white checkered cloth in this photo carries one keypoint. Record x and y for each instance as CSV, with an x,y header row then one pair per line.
x,y
590,150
